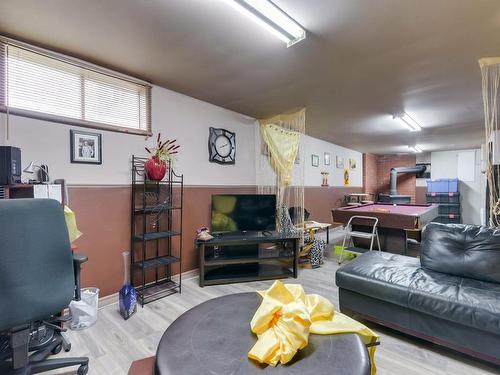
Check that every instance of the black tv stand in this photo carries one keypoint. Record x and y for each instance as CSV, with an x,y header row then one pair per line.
x,y
251,256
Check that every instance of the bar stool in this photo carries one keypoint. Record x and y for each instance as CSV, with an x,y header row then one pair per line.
x,y
350,234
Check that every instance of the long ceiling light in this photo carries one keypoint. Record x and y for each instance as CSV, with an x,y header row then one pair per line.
x,y
417,149
272,18
408,122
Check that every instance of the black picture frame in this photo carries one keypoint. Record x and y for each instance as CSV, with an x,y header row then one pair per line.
x,y
315,160
326,158
94,147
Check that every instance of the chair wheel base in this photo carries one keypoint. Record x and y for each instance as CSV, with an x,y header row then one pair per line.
x,y
82,370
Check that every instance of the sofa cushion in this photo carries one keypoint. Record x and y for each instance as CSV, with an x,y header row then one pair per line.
x,y
470,302
463,250
379,275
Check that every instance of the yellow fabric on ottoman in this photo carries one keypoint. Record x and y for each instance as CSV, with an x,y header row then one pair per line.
x,y
287,315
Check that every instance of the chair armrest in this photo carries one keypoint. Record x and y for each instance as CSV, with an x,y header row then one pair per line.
x,y
78,259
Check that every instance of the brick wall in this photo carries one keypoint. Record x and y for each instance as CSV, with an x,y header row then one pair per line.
x,y
370,173
377,169
406,181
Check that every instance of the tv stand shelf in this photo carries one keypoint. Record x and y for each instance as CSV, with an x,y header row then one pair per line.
x,y
247,257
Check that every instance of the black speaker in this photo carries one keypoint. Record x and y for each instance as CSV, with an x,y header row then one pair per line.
x,y
10,165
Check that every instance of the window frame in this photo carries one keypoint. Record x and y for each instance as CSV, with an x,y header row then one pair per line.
x,y
4,105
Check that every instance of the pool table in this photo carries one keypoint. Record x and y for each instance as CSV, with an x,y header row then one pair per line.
x,y
395,222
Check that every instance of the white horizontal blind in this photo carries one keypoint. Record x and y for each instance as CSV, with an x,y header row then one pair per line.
x,y
3,66
40,85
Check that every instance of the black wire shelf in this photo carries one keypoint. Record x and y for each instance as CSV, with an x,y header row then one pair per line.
x,y
155,209
156,262
156,227
155,291
151,236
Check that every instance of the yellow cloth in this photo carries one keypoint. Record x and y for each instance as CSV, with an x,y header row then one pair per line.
x,y
287,315
283,146
73,231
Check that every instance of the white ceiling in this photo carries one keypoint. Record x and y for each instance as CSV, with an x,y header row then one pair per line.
x,y
362,60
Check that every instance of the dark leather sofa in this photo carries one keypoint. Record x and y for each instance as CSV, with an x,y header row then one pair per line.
x,y
450,296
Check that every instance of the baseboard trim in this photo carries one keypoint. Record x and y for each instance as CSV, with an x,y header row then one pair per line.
x,y
113,298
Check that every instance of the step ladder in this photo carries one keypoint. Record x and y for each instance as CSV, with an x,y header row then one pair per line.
x,y
350,234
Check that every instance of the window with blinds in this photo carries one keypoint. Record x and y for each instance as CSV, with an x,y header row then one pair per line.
x,y
41,84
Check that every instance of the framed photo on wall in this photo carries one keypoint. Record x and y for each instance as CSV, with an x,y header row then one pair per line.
x,y
86,147
315,160
352,164
326,158
340,162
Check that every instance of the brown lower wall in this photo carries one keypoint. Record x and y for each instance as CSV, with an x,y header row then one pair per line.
x,y
103,215
420,192
319,201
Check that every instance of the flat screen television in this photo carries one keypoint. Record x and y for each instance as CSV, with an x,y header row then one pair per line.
x,y
243,213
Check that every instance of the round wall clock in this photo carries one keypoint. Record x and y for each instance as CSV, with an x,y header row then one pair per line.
x,y
221,146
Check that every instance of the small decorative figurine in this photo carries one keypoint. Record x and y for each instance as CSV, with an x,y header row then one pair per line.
x,y
325,178
203,234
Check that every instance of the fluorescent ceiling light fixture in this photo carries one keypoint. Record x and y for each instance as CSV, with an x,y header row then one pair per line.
x,y
415,149
408,122
272,18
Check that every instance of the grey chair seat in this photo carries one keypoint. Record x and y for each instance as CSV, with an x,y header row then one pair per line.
x,y
401,280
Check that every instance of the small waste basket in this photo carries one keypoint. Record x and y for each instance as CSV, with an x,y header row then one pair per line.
x,y
84,312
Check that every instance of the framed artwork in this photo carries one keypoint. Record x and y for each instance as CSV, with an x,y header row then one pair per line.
x,y
340,162
352,164
326,158
86,147
315,160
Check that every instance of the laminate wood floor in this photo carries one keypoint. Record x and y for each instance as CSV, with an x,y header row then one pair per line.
x,y
113,343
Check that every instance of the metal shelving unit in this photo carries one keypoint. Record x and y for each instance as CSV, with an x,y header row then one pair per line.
x,y
156,232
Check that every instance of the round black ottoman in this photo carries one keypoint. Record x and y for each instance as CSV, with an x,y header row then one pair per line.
x,y
214,338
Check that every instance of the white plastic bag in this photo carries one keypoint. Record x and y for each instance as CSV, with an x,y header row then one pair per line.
x,y
84,312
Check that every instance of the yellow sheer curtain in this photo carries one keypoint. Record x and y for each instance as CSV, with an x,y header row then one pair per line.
x,y
283,146
490,72
280,162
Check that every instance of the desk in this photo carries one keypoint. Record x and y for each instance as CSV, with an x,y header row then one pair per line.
x,y
52,191
315,226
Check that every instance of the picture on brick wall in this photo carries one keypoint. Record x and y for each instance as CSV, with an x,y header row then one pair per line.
x,y
339,162
352,164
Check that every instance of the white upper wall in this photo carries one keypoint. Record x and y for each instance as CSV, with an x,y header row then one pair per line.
x,y
179,117
312,175
174,115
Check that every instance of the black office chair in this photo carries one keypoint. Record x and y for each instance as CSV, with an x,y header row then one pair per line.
x,y
37,281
